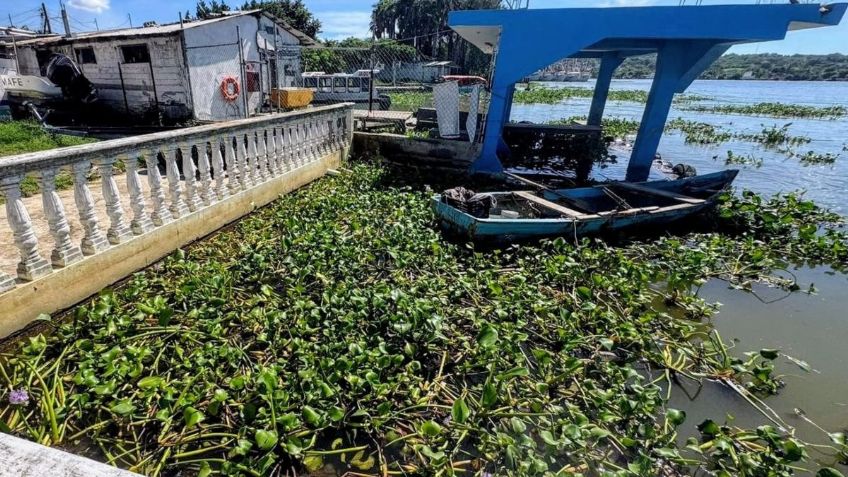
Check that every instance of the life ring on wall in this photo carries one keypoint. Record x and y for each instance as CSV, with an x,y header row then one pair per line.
x,y
230,88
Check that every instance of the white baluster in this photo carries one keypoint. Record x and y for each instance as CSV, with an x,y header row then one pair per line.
x,y
285,158
206,192
271,142
309,142
337,134
233,165
6,282
300,143
261,156
178,207
64,251
218,169
32,265
140,223
119,231
190,176
245,178
94,241
326,143
253,159
291,147
161,215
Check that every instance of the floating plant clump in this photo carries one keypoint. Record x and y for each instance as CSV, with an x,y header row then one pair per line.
x,y
336,330
776,110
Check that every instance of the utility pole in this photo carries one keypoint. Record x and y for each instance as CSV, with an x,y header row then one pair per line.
x,y
65,21
45,23
129,19
96,26
10,21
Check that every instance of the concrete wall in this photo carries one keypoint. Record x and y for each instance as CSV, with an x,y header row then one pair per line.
x,y
416,152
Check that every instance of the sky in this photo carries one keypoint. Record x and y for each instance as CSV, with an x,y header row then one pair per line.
x,y
344,18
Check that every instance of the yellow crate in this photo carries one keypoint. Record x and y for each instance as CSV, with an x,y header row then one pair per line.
x,y
290,98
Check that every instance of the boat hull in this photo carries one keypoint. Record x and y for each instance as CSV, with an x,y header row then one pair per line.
x,y
458,223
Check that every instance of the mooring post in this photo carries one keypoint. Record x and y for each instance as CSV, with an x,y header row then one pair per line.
x,y
609,63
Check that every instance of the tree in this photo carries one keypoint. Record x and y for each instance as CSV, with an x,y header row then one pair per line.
x,y
423,24
293,12
204,10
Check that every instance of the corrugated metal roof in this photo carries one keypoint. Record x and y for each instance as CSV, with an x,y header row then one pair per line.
x,y
160,30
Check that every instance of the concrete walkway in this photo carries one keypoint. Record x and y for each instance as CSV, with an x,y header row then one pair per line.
x,y
22,458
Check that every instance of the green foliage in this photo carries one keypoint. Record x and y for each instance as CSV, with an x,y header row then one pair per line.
x,y
812,158
203,10
351,54
293,12
411,100
534,94
616,128
733,159
338,326
776,110
700,133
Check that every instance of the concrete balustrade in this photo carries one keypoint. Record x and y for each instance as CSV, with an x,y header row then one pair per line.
x,y
217,172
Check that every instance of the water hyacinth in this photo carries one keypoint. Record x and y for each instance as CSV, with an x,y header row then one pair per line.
x,y
18,397
338,329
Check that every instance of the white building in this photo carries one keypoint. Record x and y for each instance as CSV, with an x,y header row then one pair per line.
x,y
177,70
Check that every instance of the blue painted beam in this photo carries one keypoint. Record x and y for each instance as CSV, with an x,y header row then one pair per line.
x,y
675,61
526,41
609,63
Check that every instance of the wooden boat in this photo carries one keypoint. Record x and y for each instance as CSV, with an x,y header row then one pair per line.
x,y
522,215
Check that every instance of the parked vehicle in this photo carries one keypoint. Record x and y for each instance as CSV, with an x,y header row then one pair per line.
x,y
343,87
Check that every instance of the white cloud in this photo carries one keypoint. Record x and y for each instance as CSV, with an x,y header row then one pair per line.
x,y
96,6
338,25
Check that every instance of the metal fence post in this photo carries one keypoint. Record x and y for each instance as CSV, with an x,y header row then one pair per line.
x,y
371,75
241,72
123,87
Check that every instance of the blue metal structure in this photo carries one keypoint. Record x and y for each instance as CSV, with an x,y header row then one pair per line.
x,y
687,40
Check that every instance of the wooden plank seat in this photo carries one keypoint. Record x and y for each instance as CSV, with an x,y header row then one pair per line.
x,y
565,211
659,193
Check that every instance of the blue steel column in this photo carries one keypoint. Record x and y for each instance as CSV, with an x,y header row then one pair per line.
x,y
609,63
497,116
674,60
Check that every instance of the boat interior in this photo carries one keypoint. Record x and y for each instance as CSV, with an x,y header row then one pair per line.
x,y
595,202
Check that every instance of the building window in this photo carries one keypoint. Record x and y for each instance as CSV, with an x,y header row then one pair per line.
x,y
85,56
135,54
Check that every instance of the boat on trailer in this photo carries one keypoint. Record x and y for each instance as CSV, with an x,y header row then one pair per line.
x,y
611,207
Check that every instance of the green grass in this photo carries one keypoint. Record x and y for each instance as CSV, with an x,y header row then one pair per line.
x,y
19,137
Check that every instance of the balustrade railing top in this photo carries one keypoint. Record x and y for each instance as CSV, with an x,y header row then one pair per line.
x,y
203,165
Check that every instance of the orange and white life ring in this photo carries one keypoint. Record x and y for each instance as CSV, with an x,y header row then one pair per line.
x,y
230,88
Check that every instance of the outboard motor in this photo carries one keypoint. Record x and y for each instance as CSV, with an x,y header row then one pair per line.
x,y
64,73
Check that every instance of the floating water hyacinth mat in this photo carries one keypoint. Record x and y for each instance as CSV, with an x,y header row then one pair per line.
x,y
336,331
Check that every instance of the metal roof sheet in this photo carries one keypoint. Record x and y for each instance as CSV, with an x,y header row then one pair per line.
x,y
160,30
